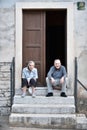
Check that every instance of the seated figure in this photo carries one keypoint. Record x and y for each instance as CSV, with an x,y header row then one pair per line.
x,y
56,79
29,78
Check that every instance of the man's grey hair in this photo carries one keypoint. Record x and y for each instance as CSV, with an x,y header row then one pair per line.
x,y
57,60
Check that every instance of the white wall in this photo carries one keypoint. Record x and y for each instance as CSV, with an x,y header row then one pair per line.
x,y
80,35
7,34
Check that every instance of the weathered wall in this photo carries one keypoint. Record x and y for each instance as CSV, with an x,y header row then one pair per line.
x,y
4,88
7,47
7,34
82,105
80,29
80,38
7,41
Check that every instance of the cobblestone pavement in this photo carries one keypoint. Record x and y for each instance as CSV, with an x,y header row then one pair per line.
x,y
4,125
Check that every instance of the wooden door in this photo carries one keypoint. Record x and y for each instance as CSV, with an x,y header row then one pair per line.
x,y
34,41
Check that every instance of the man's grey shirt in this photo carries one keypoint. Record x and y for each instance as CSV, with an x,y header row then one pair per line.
x,y
57,73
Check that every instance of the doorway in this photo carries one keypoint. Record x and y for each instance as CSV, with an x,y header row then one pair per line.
x,y
44,39
67,8
56,46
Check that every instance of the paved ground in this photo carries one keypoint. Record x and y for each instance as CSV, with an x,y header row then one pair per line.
x,y
4,125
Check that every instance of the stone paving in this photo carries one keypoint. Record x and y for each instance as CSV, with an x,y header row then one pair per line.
x,y
4,125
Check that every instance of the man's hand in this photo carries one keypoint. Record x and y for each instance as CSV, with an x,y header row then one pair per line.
x,y
62,80
52,80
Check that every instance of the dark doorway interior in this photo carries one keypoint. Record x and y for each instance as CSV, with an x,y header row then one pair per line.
x,y
55,37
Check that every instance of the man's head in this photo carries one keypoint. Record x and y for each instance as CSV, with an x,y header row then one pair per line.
x,y
57,63
31,65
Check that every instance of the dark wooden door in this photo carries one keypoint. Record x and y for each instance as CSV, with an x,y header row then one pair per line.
x,y
34,41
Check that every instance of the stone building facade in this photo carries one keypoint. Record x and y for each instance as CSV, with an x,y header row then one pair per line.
x,y
10,35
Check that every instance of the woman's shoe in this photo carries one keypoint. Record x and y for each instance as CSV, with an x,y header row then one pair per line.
x,y
23,95
33,95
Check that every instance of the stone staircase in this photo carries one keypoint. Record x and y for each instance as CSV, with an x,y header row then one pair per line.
x,y
46,112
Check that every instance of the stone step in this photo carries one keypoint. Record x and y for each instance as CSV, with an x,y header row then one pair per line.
x,y
42,91
44,100
43,109
52,121
81,122
46,112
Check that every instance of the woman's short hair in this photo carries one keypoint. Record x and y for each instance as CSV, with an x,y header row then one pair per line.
x,y
29,62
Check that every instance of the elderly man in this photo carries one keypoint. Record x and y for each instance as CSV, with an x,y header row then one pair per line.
x,y
29,78
56,77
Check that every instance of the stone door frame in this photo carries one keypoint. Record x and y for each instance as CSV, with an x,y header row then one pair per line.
x,y
70,42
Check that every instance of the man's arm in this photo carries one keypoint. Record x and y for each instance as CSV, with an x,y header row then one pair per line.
x,y
49,75
64,71
64,74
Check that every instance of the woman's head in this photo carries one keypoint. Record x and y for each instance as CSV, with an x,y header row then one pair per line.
x,y
31,65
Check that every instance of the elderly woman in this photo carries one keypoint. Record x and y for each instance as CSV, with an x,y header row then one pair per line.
x,y
29,78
